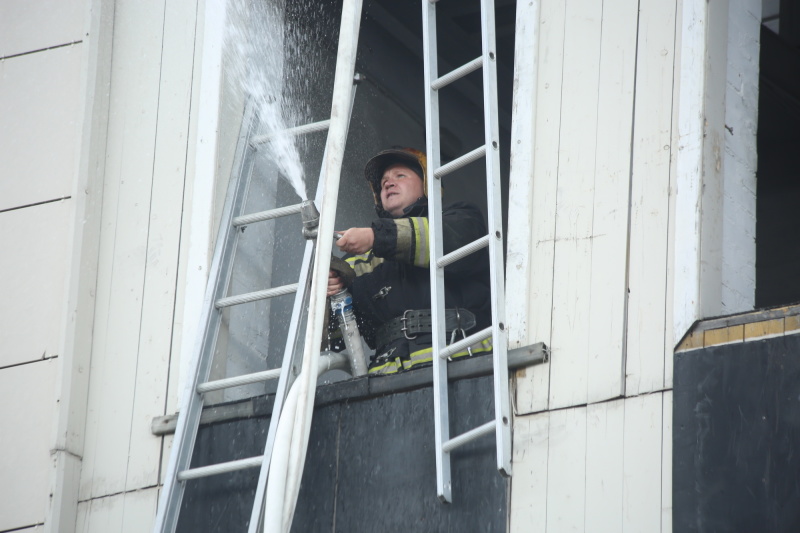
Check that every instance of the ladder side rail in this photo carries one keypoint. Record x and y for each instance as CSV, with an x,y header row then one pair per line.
x,y
432,140
191,402
341,107
291,361
502,400
292,357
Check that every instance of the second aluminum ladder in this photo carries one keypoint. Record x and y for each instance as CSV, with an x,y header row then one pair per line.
x,y
490,152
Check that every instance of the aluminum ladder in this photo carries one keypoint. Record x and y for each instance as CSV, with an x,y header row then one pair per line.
x,y
179,471
501,424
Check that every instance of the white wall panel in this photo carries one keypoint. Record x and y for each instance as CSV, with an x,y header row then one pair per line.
x,y
528,512
118,360
533,383
34,264
650,198
574,203
566,471
642,468
26,394
28,26
41,126
666,464
608,294
163,240
604,459
128,512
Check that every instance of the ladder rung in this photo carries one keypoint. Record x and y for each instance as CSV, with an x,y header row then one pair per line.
x,y
462,252
298,130
468,436
266,215
462,161
456,74
246,379
463,343
254,296
221,468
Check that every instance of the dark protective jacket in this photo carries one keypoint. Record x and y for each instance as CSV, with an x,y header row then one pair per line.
x,y
394,277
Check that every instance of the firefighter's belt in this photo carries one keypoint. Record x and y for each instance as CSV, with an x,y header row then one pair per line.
x,y
415,321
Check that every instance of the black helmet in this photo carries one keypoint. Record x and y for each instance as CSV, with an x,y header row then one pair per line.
x,y
375,167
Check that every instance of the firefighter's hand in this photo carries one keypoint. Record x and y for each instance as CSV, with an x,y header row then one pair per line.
x,y
356,240
335,283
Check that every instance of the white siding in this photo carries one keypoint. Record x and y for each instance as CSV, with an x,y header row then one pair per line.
x,y
39,104
740,157
29,26
26,419
642,467
647,339
608,295
618,225
597,468
139,262
574,201
33,270
130,512
566,470
528,507
533,385
605,456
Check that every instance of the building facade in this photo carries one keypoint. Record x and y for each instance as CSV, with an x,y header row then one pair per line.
x,y
631,175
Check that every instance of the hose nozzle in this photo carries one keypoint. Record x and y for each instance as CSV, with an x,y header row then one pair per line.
x,y
310,216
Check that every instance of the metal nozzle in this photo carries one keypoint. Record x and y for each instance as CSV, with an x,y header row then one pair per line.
x,y
310,216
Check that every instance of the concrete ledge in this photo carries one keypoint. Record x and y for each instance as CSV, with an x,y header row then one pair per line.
x,y
362,388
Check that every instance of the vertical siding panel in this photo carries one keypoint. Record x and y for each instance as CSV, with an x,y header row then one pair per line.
x,y
666,465
520,193
673,305
102,515
139,510
566,471
611,199
163,242
126,212
574,204
642,467
650,198
529,482
604,459
532,385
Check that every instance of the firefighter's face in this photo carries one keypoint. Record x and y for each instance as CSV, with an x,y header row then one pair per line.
x,y
400,187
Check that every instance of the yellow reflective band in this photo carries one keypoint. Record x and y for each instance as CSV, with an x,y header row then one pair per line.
x,y
425,355
422,248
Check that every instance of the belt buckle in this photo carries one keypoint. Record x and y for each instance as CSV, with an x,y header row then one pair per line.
x,y
404,329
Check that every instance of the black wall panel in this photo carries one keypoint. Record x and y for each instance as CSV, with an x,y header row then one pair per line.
x,y
370,467
736,437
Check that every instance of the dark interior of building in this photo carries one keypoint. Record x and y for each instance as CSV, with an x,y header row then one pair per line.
x,y
778,192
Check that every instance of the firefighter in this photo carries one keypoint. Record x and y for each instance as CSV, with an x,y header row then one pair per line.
x,y
391,286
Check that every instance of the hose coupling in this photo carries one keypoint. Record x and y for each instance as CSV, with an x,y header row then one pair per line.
x,y
310,215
